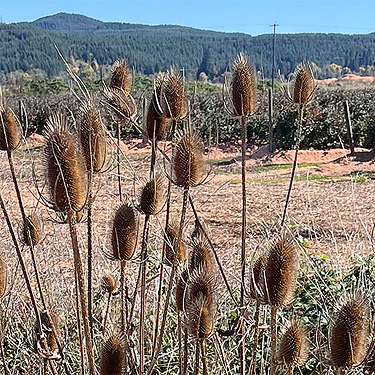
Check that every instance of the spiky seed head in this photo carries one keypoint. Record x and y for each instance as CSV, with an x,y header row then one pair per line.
x,y
66,172
32,230
157,124
172,247
172,97
112,356
198,231
187,160
303,84
257,278
121,103
281,272
243,87
92,137
124,232
201,303
181,286
108,283
10,130
201,256
294,346
3,278
151,196
121,77
349,334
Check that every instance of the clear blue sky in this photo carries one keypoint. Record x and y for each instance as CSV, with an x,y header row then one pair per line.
x,y
248,16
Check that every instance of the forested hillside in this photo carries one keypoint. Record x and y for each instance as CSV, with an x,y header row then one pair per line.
x,y
25,46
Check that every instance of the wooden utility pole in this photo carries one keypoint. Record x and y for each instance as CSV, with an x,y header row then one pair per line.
x,y
349,127
271,91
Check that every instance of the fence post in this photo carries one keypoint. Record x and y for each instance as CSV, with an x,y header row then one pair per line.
x,y
349,126
270,120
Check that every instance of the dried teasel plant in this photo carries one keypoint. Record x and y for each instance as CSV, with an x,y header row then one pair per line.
x,y
124,232
303,88
281,271
181,286
92,137
121,103
121,76
66,172
3,278
112,356
171,95
257,282
150,197
172,247
201,256
157,125
108,283
349,333
240,99
32,231
302,84
187,159
280,276
10,129
294,347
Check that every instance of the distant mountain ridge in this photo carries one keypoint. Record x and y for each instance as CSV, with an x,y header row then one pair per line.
x,y
150,49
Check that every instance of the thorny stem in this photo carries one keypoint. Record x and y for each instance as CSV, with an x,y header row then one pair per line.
x,y
179,334
89,259
123,295
186,336
204,358
213,250
197,351
106,311
253,364
170,284
300,118
81,290
143,297
243,241
5,367
118,161
79,329
273,339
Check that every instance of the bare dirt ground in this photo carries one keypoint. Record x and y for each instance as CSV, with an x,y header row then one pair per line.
x,y
331,207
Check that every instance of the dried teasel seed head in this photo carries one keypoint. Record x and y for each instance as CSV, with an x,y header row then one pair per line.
x,y
181,286
3,278
112,356
10,130
198,231
349,334
124,232
157,124
201,256
201,304
151,196
32,231
92,137
187,160
121,76
294,346
257,278
108,283
172,247
172,97
121,103
244,87
281,273
303,84
48,320
66,172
